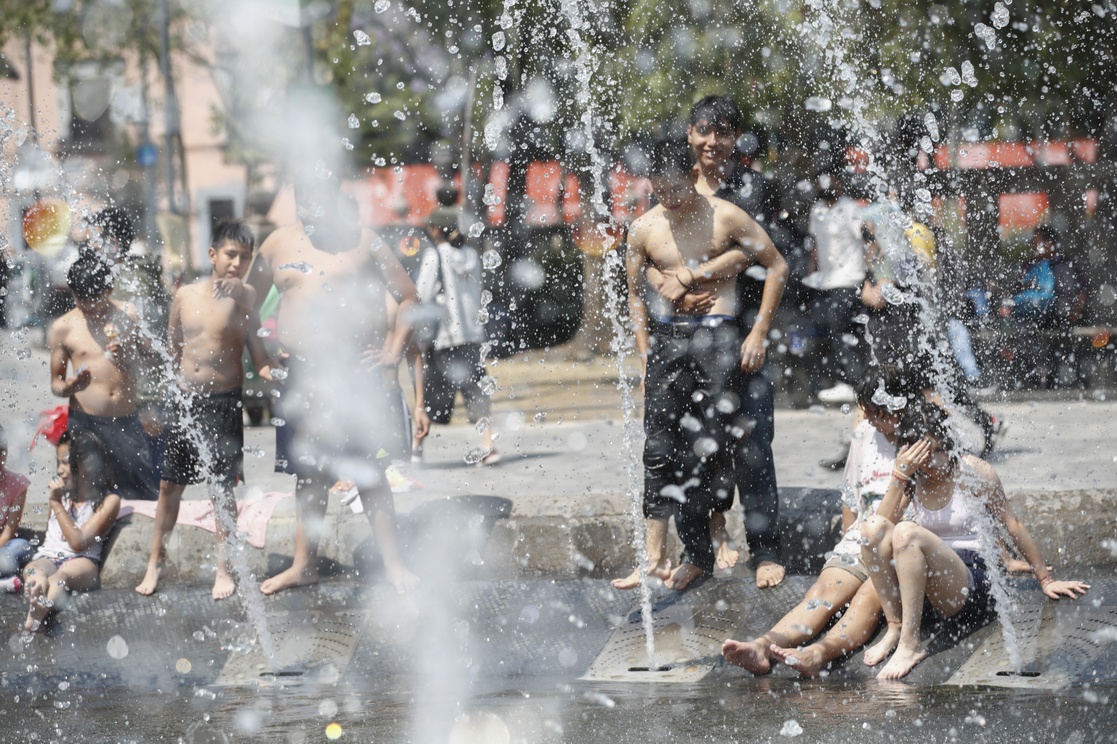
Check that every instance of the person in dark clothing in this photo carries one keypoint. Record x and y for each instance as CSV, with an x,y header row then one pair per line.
x,y
713,132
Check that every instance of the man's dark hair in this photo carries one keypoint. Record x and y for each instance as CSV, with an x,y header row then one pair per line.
x,y
232,231
1048,233
903,387
116,224
447,195
671,157
89,277
717,110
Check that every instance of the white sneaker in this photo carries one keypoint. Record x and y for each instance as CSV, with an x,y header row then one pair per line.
x,y
840,393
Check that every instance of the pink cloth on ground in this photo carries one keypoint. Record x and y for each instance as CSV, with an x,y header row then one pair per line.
x,y
252,516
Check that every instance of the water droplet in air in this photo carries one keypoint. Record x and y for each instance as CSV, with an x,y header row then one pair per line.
x,y
354,122
845,409
488,385
498,41
300,266
117,647
538,418
278,422
373,98
1000,16
816,103
399,115
491,259
482,425
792,727
474,456
381,6
362,38
262,332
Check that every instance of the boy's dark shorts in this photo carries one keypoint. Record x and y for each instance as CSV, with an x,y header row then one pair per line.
x,y
446,372
215,420
130,462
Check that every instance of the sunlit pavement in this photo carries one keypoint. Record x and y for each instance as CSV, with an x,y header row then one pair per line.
x,y
493,648
562,439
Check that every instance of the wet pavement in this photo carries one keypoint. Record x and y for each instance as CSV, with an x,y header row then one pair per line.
x,y
509,641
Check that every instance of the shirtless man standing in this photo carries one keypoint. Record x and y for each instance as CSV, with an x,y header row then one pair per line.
x,y
101,341
211,322
691,416
331,275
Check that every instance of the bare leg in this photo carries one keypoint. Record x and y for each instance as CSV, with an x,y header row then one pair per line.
x,y
36,580
877,556
850,633
727,555
166,514
658,566
225,515
75,575
925,567
769,574
310,501
830,592
382,516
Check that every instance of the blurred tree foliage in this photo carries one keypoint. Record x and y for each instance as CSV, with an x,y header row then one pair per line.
x,y
407,69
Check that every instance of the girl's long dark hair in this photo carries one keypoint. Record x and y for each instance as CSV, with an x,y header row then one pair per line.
x,y
88,460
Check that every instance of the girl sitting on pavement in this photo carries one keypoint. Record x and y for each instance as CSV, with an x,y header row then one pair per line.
x,y
843,586
935,556
82,511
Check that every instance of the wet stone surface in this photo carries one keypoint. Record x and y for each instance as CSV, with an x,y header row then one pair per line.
x,y
470,658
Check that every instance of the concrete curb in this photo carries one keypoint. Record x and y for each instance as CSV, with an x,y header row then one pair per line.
x,y
1071,528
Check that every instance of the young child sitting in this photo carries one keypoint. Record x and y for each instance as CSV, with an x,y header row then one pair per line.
x,y
81,513
14,551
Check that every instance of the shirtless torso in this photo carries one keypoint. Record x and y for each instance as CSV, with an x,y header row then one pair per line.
x,y
100,348
208,335
332,302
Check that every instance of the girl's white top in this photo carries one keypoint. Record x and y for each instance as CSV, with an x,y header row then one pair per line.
x,y
868,470
54,544
957,522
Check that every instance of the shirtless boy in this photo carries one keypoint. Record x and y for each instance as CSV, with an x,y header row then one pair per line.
x,y
99,339
690,413
211,321
332,275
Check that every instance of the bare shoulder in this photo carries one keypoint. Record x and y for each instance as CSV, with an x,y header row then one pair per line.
x,y
646,223
281,240
985,474
729,212
61,327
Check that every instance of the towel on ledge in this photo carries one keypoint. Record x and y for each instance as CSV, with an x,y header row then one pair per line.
x,y
252,516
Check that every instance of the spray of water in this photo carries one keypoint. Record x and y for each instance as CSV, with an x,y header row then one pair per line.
x,y
834,30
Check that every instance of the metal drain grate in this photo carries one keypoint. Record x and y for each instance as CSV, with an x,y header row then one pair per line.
x,y
317,646
687,646
1056,649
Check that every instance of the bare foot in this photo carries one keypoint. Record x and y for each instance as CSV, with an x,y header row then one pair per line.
x,y
660,570
31,624
726,556
151,578
402,580
683,576
902,662
880,650
223,585
750,655
804,660
769,574
292,577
